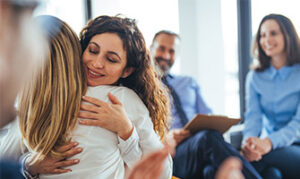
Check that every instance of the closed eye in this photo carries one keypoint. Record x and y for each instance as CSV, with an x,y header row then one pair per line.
x,y
93,51
112,60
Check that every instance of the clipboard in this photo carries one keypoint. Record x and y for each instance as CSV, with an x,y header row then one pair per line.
x,y
215,122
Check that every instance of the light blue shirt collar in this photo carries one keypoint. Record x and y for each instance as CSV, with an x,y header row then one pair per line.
x,y
282,72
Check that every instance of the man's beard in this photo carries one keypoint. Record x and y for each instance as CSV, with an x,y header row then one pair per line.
x,y
164,68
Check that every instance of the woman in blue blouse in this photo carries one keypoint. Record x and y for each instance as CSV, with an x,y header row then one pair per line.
x,y
272,118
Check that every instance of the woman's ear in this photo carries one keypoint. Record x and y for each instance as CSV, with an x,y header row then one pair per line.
x,y
127,72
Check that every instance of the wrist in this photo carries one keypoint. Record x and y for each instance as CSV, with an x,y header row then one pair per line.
x,y
31,170
28,169
269,143
29,166
126,132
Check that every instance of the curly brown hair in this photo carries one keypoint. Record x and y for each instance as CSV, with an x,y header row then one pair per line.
x,y
144,80
291,41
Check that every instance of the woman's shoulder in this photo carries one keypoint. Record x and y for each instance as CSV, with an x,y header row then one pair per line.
x,y
130,100
105,89
296,68
250,74
255,75
123,93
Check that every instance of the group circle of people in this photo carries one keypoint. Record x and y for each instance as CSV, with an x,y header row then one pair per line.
x,y
99,106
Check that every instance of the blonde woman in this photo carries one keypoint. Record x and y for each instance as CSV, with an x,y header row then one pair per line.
x,y
48,106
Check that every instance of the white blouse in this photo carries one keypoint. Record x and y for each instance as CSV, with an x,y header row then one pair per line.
x,y
104,152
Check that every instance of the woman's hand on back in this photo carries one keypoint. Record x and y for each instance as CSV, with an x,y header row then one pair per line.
x,y
110,116
50,165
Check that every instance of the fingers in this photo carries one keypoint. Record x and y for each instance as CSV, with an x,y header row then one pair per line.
x,y
72,152
90,122
66,163
60,171
67,147
180,135
178,138
259,145
94,101
114,99
90,108
251,155
184,132
88,115
250,145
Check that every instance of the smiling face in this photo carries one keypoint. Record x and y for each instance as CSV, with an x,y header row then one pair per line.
x,y
272,39
105,60
164,50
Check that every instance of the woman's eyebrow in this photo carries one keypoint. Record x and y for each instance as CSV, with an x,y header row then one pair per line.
x,y
115,53
111,52
95,44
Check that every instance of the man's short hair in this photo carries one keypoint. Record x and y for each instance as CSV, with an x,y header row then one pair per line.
x,y
165,32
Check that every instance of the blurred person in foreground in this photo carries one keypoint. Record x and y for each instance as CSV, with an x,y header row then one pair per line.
x,y
21,46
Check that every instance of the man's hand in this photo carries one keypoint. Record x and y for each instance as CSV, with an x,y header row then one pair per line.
x,y
50,165
178,135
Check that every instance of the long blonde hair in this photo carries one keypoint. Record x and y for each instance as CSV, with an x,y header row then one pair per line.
x,y
49,104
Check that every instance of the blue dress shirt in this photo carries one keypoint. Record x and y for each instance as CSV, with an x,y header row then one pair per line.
x,y
273,105
189,94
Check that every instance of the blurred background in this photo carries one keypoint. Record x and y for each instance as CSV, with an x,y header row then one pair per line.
x,y
216,36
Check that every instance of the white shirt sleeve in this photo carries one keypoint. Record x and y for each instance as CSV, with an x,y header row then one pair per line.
x,y
11,142
130,149
148,140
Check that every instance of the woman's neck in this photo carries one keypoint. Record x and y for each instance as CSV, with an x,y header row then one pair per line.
x,y
278,61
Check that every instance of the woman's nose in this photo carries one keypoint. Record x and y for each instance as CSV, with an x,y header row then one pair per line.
x,y
98,62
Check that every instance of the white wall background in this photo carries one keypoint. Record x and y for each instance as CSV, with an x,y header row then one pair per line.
x,y
74,15
202,48
152,16
288,8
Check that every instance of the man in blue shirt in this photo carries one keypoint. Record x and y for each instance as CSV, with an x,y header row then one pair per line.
x,y
200,155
